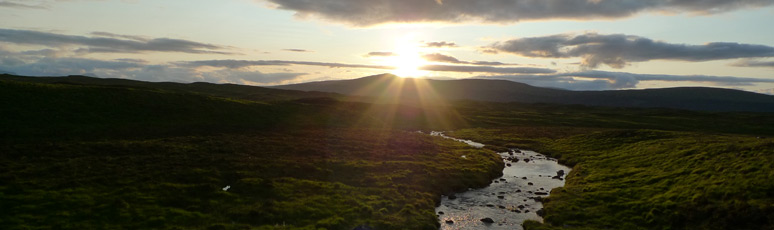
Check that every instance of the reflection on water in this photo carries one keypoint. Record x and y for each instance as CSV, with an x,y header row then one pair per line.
x,y
469,142
509,200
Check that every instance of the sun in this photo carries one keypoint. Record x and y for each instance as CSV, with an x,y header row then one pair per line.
x,y
407,58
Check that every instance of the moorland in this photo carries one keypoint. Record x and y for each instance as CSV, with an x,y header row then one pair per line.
x,y
90,153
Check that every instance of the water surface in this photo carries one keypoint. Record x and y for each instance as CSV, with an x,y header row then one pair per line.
x,y
509,200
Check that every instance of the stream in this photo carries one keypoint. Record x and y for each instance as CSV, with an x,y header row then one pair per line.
x,y
509,200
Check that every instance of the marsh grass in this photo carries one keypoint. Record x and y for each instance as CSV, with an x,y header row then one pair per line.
x,y
115,154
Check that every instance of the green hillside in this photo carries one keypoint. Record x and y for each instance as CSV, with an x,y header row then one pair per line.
x,y
84,153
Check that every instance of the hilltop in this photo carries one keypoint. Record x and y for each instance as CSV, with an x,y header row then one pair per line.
x,y
391,87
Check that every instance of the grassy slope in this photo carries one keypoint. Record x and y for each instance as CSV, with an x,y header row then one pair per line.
x,y
648,179
95,157
332,178
701,171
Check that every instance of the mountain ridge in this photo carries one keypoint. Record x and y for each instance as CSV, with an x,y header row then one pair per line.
x,y
495,90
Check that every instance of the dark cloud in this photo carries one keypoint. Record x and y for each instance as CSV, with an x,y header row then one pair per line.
x,y
754,63
112,35
249,77
131,60
235,64
135,69
486,69
603,80
10,4
436,57
380,54
65,66
298,50
109,44
371,12
723,80
617,50
440,44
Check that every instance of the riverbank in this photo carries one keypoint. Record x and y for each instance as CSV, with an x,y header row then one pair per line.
x,y
647,179
298,179
528,177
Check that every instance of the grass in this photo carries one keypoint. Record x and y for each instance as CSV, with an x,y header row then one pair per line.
x,y
107,157
93,154
312,179
650,179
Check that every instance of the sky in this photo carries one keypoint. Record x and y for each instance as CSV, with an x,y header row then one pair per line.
x,y
569,44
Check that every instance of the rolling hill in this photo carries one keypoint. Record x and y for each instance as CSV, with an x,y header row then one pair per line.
x,y
387,87
242,92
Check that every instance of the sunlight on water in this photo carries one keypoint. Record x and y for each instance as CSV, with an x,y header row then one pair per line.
x,y
509,200
469,142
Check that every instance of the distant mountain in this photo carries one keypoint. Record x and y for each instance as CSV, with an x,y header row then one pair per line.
x,y
253,93
387,87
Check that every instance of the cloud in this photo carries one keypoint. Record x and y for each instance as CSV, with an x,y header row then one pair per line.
x,y
249,77
372,12
112,35
765,91
235,64
440,44
617,50
41,63
380,54
486,69
108,43
604,80
437,57
135,69
298,50
11,4
65,66
753,63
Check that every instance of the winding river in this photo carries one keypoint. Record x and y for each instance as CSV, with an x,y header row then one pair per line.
x,y
510,199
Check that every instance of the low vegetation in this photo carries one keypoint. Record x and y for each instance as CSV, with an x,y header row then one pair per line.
x,y
83,153
105,157
649,179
